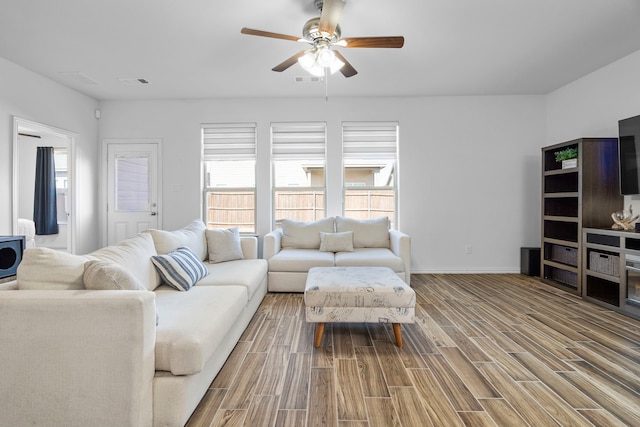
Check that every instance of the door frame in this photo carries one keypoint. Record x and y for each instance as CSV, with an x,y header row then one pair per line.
x,y
104,156
20,123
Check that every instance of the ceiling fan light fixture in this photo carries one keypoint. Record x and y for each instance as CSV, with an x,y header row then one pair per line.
x,y
316,60
325,57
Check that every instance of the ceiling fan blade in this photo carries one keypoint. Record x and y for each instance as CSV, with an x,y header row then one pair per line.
x,y
347,69
252,32
331,12
289,62
391,41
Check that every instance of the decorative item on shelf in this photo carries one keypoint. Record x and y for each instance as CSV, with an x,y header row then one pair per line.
x,y
624,220
568,157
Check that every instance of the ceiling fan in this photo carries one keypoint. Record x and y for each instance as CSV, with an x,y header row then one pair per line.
x,y
322,33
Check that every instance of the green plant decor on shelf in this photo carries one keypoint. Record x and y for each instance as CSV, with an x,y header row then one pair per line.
x,y
566,154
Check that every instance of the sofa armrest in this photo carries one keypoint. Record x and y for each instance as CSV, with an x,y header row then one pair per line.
x,y
272,243
249,247
401,246
77,358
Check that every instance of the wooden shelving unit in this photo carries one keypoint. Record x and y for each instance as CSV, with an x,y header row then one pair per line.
x,y
573,198
604,258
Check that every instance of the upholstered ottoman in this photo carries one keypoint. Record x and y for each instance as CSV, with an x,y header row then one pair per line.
x,y
358,294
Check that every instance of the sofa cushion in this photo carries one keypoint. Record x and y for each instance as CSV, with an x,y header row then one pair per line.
x,y
370,257
104,275
193,325
369,233
192,236
300,260
50,269
180,269
134,255
305,235
248,273
224,245
336,242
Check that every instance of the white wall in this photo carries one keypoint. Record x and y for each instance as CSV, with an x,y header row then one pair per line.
x,y
30,96
591,106
469,166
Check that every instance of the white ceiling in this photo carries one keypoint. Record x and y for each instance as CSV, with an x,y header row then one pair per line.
x,y
194,49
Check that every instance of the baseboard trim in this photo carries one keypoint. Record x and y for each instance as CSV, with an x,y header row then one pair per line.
x,y
466,271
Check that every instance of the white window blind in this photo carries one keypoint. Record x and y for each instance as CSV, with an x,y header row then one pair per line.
x,y
370,140
233,141
298,141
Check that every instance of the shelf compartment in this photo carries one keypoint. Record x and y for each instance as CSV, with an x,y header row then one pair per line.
x,y
559,275
561,206
603,290
561,183
561,254
561,230
603,239
549,158
632,243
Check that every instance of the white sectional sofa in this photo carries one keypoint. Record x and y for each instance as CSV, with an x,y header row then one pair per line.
x,y
336,241
73,356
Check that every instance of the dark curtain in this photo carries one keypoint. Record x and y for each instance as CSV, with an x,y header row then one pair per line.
x,y
45,214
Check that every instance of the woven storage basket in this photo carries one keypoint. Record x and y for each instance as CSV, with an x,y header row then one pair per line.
x,y
564,254
604,263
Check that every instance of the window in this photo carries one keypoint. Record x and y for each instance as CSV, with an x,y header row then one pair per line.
x,y
298,154
369,152
229,166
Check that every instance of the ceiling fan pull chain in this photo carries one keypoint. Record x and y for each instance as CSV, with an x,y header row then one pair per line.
x,y
326,84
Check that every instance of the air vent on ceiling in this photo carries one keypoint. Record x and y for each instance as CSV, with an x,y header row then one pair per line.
x,y
132,81
79,77
308,79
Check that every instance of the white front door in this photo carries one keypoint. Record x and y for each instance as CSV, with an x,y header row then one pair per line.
x,y
132,188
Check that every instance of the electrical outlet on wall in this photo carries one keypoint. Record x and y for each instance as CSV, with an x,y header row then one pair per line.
x,y
468,249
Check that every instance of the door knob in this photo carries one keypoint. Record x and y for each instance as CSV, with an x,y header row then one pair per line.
x,y
154,213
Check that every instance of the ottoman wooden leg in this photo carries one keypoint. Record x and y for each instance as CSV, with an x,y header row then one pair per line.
x,y
398,333
319,333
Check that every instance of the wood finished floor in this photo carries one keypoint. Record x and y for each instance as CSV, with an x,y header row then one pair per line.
x,y
485,350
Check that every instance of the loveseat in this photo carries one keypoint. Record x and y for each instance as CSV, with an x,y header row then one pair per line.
x,y
333,242
82,347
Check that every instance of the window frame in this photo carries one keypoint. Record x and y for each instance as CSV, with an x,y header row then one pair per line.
x,y
296,133
371,140
236,142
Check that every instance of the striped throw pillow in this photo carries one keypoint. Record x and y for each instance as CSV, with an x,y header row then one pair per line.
x,y
180,269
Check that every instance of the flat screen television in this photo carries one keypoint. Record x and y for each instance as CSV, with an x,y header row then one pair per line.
x,y
629,154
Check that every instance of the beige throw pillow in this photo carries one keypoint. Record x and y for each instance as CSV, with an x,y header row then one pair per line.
x,y
50,269
191,236
336,242
305,235
104,275
134,255
224,245
367,233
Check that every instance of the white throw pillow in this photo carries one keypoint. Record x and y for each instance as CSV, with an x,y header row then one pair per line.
x,y
224,245
49,269
305,235
134,255
180,269
336,242
191,236
104,275
367,233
